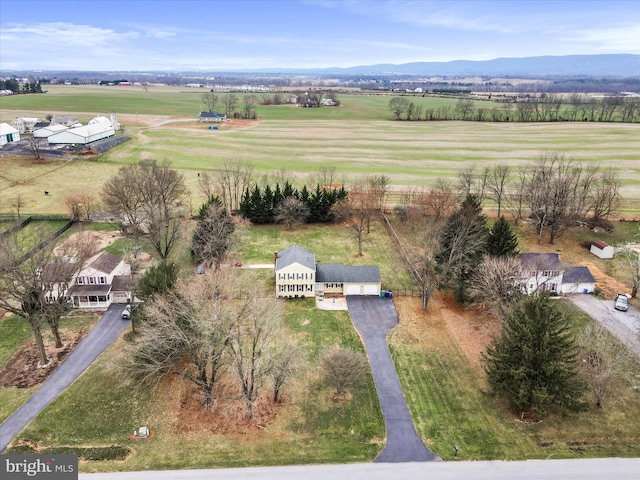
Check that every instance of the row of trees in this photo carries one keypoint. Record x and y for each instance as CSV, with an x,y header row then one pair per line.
x,y
230,103
290,205
556,193
530,108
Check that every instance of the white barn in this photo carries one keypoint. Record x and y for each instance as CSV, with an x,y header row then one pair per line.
x,y
97,129
46,132
8,134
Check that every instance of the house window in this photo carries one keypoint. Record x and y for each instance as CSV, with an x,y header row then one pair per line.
x,y
80,280
103,280
92,280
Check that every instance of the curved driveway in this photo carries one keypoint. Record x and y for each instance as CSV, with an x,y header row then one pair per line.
x,y
374,317
103,334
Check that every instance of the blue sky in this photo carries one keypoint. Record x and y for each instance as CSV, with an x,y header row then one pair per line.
x,y
237,35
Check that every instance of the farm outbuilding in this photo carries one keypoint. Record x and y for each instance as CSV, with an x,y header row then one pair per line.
x,y
601,249
97,129
46,132
8,134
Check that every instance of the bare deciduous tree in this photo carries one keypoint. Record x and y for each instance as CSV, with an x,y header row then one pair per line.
x,y
398,105
18,204
497,283
344,368
291,211
284,364
35,145
187,334
233,177
604,360
230,101
34,280
251,346
629,263
148,196
80,206
354,211
497,184
209,100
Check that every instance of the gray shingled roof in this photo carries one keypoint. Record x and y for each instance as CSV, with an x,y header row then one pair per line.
x,y
211,115
78,290
295,254
578,275
105,262
540,261
339,273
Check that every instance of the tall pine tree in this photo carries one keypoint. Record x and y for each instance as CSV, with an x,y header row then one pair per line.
x,y
501,240
534,362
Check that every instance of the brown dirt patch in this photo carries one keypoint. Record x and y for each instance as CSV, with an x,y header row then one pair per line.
x,y
99,240
22,370
227,416
443,322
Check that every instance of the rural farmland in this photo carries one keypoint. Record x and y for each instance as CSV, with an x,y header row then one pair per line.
x,y
356,138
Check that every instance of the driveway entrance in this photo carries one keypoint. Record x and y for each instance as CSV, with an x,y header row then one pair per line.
x,y
374,317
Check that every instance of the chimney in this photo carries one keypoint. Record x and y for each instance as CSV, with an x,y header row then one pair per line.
x,y
275,257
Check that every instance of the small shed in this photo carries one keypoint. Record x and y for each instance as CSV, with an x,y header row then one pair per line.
x,y
601,249
577,280
8,134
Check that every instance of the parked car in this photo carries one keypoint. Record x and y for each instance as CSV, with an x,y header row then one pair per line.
x,y
126,313
621,303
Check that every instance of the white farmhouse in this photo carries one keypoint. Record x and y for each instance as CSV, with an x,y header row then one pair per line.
x,y
25,124
8,134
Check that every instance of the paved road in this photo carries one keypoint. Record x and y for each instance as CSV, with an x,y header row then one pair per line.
x,y
374,317
103,334
624,325
588,469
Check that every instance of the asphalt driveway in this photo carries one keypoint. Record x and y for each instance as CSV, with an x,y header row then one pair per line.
x,y
103,334
624,325
374,317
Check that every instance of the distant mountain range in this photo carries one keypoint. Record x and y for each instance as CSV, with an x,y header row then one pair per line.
x,y
614,65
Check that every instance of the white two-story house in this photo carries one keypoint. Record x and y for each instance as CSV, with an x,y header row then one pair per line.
x,y
299,275
93,287
541,271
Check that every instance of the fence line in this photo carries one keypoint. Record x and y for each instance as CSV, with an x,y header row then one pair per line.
x,y
15,228
404,253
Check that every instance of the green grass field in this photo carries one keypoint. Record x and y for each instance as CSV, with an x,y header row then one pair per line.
x,y
356,138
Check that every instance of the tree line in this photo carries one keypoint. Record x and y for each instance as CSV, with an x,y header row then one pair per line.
x,y
290,205
525,108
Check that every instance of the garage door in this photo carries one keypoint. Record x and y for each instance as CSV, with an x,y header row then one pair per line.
x,y
353,290
371,290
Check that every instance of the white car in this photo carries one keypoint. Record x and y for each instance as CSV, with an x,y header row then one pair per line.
x,y
621,303
126,313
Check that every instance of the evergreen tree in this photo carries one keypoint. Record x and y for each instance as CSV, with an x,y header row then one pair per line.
x,y
534,362
268,205
501,240
157,280
462,245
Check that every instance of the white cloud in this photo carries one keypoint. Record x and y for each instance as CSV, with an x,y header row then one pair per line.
x,y
611,39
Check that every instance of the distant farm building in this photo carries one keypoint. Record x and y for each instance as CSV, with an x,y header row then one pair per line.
x,y
211,117
25,124
601,249
8,134
97,129
67,120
